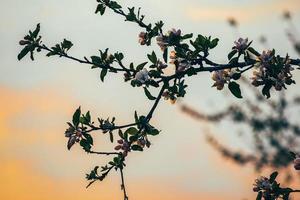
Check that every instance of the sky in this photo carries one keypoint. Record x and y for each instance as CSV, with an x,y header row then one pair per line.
x,y
38,98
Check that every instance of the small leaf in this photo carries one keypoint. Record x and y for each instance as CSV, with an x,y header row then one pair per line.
x,y
89,138
148,94
66,44
231,54
85,145
141,66
136,117
187,36
153,132
253,51
133,138
100,8
88,116
136,148
235,89
121,134
236,76
131,15
96,60
115,5
131,131
76,117
111,137
36,31
213,43
23,52
273,177
266,90
165,55
153,83
103,74
234,60
259,196
152,57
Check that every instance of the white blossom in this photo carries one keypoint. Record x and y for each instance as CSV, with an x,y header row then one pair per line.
x,y
142,76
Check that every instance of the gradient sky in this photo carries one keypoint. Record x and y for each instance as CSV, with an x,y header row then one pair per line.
x,y
37,98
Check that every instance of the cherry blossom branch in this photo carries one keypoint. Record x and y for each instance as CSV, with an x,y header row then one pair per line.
x,y
271,71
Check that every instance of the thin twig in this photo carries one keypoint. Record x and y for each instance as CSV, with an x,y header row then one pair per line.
x,y
123,187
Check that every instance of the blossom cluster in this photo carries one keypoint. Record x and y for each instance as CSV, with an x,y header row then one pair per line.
x,y
163,41
222,77
272,70
74,134
241,45
142,76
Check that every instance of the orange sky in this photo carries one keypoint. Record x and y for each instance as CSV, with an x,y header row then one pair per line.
x,y
23,176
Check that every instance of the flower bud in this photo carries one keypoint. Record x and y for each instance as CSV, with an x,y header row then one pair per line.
x,y
23,42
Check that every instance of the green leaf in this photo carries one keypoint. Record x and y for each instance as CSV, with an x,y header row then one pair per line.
x,y
273,177
148,94
131,131
234,60
136,148
136,117
23,52
115,5
213,43
121,134
187,36
133,138
36,31
103,74
236,76
253,51
191,71
231,54
96,60
152,57
85,145
165,55
141,66
76,117
153,83
235,89
131,15
266,90
89,138
111,137
259,196
88,116
153,132
66,44
100,8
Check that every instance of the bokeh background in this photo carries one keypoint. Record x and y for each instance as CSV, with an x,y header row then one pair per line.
x,y
37,98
